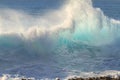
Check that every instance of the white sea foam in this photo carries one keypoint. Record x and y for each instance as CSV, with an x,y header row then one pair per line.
x,y
77,16
109,73
71,38
16,77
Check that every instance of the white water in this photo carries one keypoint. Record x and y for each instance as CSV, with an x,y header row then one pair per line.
x,y
60,42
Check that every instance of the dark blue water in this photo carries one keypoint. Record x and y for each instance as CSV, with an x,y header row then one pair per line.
x,y
32,6
67,39
111,8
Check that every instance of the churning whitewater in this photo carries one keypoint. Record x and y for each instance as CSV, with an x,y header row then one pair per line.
x,y
73,39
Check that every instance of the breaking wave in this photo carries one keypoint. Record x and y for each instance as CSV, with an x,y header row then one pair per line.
x,y
63,41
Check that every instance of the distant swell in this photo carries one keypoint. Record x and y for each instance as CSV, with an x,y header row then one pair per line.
x,y
75,38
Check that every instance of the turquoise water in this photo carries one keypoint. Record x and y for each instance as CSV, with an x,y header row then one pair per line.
x,y
49,39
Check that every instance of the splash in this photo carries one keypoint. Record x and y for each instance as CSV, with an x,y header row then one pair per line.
x,y
77,19
75,36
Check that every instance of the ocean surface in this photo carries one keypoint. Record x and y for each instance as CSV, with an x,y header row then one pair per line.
x,y
46,39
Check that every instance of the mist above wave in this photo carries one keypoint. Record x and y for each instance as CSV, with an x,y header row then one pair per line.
x,y
76,18
77,35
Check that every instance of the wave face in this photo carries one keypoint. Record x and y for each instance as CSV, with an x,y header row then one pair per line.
x,y
73,39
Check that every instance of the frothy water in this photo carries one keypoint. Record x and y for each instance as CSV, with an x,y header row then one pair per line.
x,y
73,39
